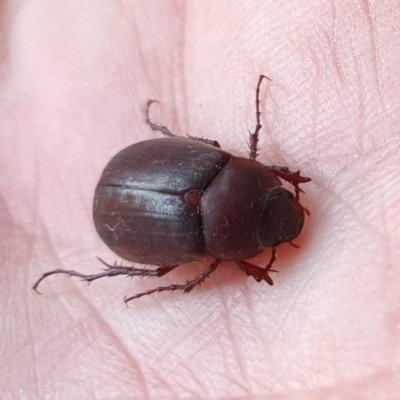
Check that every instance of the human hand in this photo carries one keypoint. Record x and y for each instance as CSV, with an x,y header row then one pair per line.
x,y
74,82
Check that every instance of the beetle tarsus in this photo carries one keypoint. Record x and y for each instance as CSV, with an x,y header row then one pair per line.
x,y
254,136
258,273
45,275
163,129
186,287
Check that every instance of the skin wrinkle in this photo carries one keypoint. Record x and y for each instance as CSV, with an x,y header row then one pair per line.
x,y
178,60
151,79
375,53
332,40
385,231
377,62
104,323
350,207
181,364
182,69
287,313
196,380
353,212
347,388
164,382
193,330
362,85
34,350
249,307
239,358
361,97
122,348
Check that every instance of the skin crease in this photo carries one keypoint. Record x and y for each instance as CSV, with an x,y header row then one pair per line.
x,y
74,80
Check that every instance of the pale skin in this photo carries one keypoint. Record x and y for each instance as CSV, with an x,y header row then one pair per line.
x,y
74,81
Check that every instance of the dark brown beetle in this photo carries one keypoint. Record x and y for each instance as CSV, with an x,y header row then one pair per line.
x,y
174,200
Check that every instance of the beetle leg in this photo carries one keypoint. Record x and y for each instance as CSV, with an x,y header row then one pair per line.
x,y
206,141
163,129
253,143
259,273
186,287
290,176
112,270
132,271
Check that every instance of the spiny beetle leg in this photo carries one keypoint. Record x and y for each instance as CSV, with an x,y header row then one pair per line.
x,y
290,176
186,287
163,129
132,271
259,273
205,141
111,270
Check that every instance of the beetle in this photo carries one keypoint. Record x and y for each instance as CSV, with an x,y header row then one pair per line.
x,y
173,200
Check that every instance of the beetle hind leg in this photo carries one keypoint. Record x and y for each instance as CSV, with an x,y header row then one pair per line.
x,y
110,271
163,129
132,271
186,287
205,141
258,273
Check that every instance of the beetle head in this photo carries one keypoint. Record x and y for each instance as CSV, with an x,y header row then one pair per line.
x,y
282,218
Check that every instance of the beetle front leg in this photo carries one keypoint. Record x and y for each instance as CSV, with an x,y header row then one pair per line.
x,y
259,273
112,270
290,176
186,287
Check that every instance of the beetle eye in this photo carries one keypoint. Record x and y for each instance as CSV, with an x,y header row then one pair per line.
x,y
282,218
